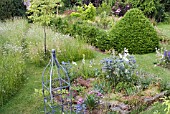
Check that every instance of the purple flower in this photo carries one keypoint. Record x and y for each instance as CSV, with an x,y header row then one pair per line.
x,y
118,10
167,55
27,4
99,94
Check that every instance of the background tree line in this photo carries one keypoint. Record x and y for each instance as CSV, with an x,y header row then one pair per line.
x,y
155,9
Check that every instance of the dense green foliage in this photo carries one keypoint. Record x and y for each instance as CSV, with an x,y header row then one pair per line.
x,y
86,12
84,31
91,35
104,7
151,8
155,9
42,11
135,32
11,8
12,76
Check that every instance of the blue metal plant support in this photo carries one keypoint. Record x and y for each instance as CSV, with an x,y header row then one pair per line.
x,y
56,87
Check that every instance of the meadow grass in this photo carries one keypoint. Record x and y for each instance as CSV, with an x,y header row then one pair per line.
x,y
146,63
67,48
165,29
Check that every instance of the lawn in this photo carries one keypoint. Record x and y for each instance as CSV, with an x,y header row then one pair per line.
x,y
28,101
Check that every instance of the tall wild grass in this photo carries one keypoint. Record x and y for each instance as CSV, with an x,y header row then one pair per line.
x,y
12,59
67,48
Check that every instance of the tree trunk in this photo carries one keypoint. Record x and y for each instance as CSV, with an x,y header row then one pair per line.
x,y
45,46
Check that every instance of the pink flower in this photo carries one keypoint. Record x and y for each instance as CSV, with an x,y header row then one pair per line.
x,y
118,10
99,94
91,92
80,101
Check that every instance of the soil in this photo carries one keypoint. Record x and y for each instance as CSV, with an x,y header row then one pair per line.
x,y
68,12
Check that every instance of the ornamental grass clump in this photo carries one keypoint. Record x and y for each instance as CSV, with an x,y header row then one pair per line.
x,y
135,32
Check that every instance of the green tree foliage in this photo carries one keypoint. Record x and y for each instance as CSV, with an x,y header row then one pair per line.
x,y
86,12
104,7
42,11
11,8
152,8
134,32
89,13
67,3
166,3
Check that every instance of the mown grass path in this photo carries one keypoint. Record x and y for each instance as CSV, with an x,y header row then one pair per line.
x,y
26,101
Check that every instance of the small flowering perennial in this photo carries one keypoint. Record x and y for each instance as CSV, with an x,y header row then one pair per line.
x,y
120,68
80,107
163,57
167,56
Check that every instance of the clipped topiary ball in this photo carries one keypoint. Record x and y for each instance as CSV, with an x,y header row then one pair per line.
x,y
134,32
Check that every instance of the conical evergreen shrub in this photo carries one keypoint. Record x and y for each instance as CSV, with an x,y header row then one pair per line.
x,y
134,32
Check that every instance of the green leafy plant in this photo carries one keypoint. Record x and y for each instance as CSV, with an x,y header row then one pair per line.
x,y
79,89
135,32
91,102
167,103
86,12
104,7
151,8
92,35
105,21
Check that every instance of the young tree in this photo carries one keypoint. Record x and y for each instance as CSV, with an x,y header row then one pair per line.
x,y
41,11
